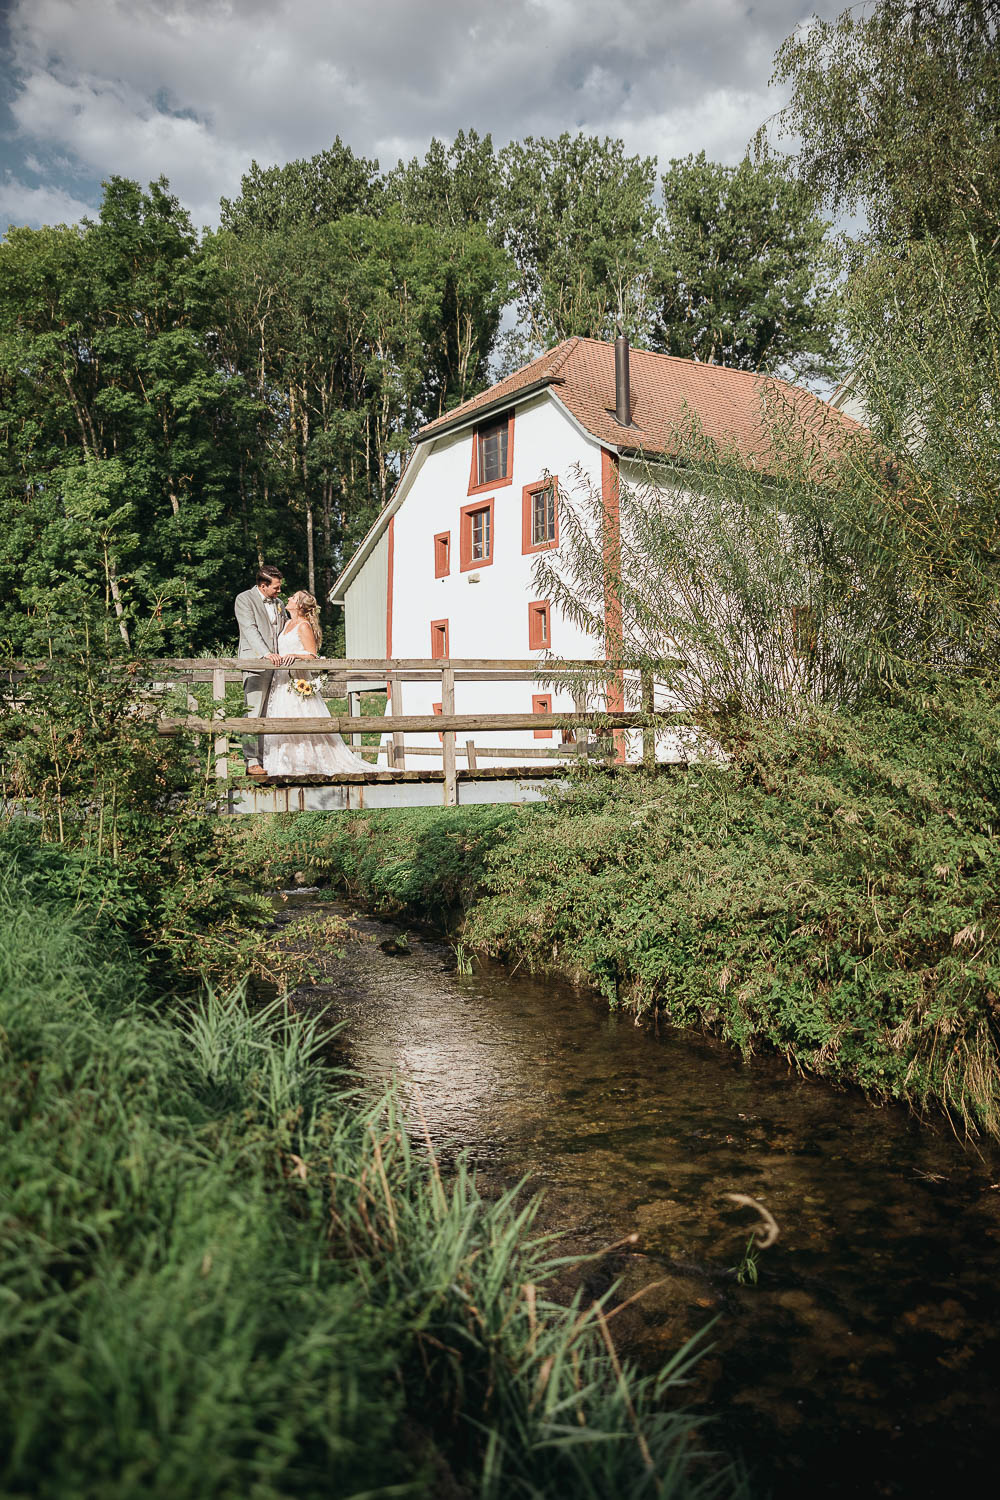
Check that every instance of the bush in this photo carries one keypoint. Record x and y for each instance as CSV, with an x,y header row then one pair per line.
x,y
832,892
424,862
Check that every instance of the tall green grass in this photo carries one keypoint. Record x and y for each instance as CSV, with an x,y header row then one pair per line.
x,y
226,1272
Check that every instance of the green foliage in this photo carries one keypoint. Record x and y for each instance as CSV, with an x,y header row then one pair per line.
x,y
121,432
744,276
895,109
351,334
579,220
424,862
829,892
226,1273
452,187
303,193
90,789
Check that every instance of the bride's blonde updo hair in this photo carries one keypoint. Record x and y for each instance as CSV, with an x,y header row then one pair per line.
x,y
309,610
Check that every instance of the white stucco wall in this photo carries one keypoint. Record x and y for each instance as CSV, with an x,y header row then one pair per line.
x,y
487,606
365,606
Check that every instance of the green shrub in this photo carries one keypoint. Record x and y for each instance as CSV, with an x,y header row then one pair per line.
x,y
831,891
425,862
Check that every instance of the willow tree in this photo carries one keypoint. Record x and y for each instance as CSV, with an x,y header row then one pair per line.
x,y
895,113
820,561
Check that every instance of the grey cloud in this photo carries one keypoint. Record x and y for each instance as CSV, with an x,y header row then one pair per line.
x,y
194,89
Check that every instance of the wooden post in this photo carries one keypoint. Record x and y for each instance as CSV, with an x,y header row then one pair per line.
x,y
470,754
219,712
397,756
580,737
354,710
448,707
648,732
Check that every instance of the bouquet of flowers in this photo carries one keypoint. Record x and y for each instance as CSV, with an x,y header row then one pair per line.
x,y
303,686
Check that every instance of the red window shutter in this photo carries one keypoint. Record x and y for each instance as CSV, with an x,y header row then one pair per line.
x,y
442,554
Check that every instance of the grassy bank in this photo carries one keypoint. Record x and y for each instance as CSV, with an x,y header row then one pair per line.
x,y
832,893
225,1272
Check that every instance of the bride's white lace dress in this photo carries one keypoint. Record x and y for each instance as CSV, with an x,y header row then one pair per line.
x,y
302,754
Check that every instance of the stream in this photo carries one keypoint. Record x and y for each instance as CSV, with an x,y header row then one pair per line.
x,y
865,1358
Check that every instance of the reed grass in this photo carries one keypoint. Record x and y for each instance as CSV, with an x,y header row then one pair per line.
x,y
228,1272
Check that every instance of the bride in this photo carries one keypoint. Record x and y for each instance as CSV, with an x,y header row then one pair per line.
x,y
302,754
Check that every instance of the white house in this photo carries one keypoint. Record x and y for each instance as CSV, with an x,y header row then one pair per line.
x,y
446,570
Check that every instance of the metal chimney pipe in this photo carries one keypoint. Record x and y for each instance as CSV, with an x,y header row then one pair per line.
x,y
623,394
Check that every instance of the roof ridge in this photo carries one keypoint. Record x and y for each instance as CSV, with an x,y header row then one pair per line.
x,y
702,364
561,353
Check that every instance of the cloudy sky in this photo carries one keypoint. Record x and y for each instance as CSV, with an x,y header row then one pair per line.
x,y
196,89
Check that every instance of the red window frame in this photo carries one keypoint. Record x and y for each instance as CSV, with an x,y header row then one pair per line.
x,y
442,554
539,625
475,486
541,703
527,504
465,536
436,708
439,637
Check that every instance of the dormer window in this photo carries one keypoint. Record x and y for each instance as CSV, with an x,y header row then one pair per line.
x,y
492,454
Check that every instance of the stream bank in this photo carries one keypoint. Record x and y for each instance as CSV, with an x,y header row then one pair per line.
x,y
864,1356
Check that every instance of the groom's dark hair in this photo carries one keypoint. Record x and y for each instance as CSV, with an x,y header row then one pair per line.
x,y
268,574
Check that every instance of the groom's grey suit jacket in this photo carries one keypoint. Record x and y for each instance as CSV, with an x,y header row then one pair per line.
x,y
258,634
258,637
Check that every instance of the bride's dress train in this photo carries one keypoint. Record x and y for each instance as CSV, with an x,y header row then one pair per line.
x,y
302,754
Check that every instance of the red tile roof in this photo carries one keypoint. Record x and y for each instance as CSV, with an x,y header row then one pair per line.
x,y
666,393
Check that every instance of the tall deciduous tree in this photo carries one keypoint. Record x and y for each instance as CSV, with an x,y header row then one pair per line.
x,y
121,432
896,111
353,333
453,186
316,190
744,273
579,220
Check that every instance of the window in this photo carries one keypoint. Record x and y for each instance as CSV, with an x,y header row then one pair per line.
x,y
442,554
539,628
540,515
477,535
439,638
492,454
541,703
436,708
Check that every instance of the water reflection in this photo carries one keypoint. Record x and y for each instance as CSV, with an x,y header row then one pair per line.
x,y
866,1355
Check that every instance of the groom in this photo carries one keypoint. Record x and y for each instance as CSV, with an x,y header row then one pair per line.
x,y
261,617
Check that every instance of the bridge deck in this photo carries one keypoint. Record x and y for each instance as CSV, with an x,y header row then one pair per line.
x,y
353,791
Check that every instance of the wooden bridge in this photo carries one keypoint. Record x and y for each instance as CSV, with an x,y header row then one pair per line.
x,y
585,731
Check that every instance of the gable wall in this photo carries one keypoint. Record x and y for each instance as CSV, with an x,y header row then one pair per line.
x,y
488,617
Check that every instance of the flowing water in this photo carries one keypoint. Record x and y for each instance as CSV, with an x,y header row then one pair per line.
x,y
865,1358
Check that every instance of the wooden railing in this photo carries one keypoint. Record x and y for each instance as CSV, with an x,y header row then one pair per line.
x,y
342,679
